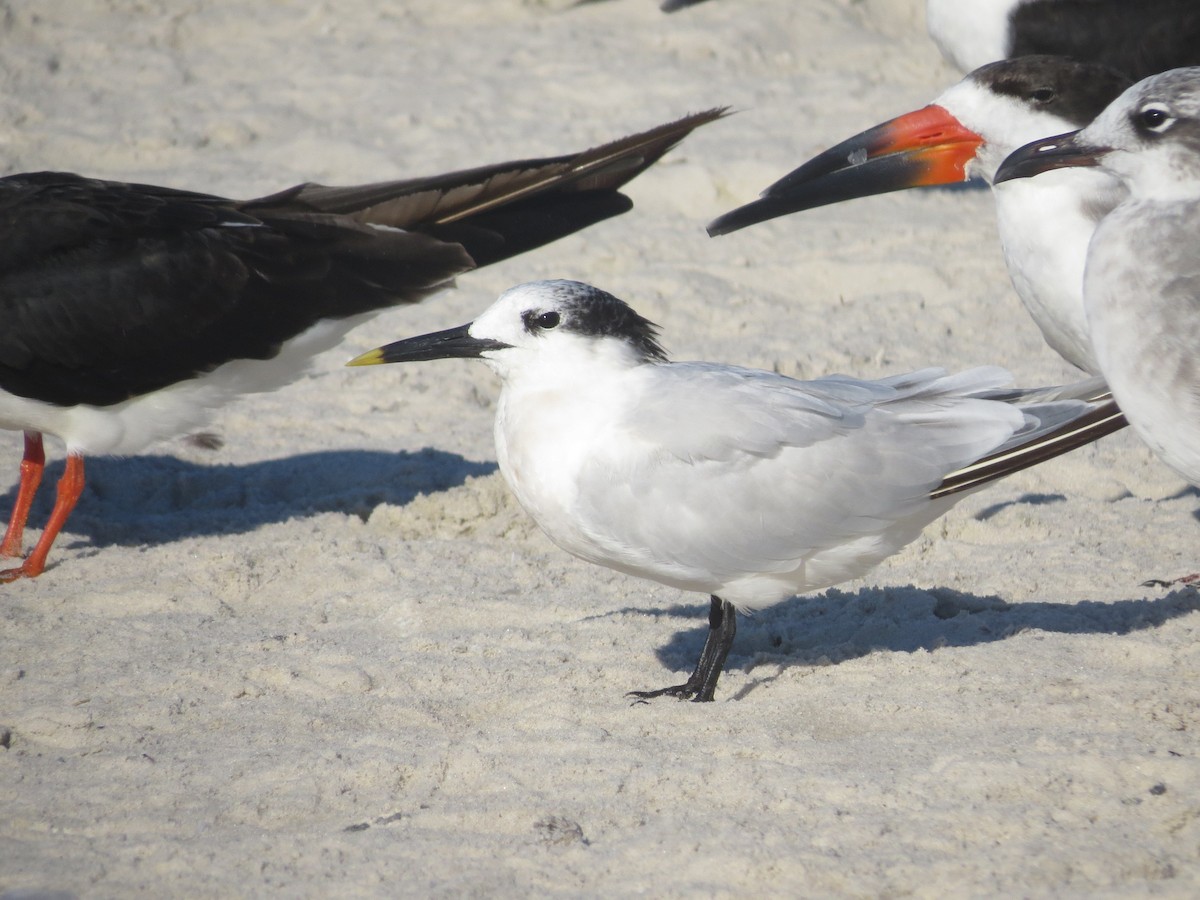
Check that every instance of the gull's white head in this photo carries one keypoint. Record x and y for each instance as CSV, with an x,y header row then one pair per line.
x,y
1152,132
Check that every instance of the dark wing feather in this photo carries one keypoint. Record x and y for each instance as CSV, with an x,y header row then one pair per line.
x,y
1073,428
1137,37
111,290
123,289
571,191
45,213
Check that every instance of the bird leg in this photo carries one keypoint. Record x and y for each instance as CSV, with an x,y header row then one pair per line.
x,y
32,465
700,686
70,486
1164,583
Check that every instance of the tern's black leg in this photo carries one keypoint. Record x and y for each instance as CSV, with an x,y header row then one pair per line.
x,y
722,626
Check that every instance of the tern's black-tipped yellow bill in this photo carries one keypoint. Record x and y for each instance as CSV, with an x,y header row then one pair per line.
x,y
1060,152
370,358
449,344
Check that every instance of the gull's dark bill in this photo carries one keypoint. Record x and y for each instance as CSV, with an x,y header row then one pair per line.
x,y
1060,152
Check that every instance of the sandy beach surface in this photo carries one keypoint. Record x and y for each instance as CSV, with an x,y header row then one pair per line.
x,y
334,657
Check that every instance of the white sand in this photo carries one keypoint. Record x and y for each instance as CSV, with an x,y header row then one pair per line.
x,y
334,658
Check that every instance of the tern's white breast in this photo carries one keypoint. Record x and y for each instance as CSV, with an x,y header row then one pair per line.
x,y
741,484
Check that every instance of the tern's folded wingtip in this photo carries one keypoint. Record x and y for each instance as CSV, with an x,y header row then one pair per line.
x,y
370,358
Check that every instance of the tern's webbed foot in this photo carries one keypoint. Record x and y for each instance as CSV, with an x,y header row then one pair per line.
x,y
702,683
688,691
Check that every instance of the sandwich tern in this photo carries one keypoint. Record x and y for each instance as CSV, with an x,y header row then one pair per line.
x,y
740,483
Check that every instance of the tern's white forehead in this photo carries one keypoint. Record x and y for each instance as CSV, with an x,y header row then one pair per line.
x,y
539,313
508,318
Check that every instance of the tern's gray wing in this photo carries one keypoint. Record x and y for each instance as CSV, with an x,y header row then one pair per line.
x,y
704,412
730,475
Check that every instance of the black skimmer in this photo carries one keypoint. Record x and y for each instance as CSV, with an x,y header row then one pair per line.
x,y
1142,284
738,483
131,310
1138,37
1044,226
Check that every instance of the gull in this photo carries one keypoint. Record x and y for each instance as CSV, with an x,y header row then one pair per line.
x,y
1139,37
740,483
131,311
1142,281
967,132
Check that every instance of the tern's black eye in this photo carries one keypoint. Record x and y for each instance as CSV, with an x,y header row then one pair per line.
x,y
1153,117
535,321
1043,95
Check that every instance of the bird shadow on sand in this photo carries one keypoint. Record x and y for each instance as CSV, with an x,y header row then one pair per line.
x,y
1188,491
157,499
836,626
1025,499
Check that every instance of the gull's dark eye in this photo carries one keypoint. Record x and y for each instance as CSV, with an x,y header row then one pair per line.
x,y
535,321
1043,95
1154,117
